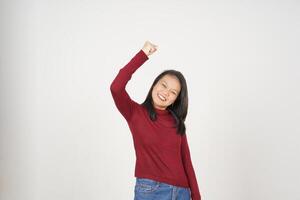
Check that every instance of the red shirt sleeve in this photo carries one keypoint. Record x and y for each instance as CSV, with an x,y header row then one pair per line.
x,y
188,167
121,98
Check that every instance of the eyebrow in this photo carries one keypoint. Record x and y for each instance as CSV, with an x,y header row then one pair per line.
x,y
167,84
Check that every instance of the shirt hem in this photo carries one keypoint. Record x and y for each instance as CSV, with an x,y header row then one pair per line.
x,y
163,180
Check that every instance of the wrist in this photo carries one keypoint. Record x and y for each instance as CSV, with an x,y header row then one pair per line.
x,y
145,51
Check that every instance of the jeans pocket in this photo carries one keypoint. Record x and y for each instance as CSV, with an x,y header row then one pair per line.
x,y
146,185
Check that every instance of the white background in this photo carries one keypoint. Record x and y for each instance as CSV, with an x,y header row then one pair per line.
x,y
62,137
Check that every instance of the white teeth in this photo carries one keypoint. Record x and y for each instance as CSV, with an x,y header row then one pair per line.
x,y
161,97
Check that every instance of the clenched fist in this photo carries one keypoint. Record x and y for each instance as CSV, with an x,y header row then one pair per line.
x,y
149,48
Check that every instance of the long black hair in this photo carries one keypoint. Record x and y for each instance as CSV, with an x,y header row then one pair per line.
x,y
180,106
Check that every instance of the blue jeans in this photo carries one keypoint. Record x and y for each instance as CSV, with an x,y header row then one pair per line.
x,y
148,189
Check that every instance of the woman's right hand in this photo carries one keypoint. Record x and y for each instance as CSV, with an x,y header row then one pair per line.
x,y
149,48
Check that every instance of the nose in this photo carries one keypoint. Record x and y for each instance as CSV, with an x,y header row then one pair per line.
x,y
166,93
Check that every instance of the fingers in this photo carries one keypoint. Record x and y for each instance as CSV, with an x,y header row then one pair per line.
x,y
150,47
154,47
152,50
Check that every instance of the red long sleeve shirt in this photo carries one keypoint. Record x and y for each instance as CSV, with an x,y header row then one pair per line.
x,y
161,153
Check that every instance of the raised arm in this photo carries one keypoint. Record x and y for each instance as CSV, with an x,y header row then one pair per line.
x,y
188,166
123,101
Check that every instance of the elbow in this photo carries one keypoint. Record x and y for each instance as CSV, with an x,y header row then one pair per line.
x,y
115,88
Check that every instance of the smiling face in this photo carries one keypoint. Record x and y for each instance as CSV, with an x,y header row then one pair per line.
x,y
165,91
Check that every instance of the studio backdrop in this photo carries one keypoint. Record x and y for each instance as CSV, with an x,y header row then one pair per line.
x,y
62,138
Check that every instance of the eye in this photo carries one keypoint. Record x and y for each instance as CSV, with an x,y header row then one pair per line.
x,y
163,84
174,93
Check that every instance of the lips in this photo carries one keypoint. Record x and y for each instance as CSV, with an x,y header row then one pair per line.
x,y
161,97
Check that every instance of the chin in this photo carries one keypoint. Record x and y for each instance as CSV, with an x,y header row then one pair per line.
x,y
158,103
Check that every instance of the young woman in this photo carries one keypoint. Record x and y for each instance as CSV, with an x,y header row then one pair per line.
x,y
163,168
